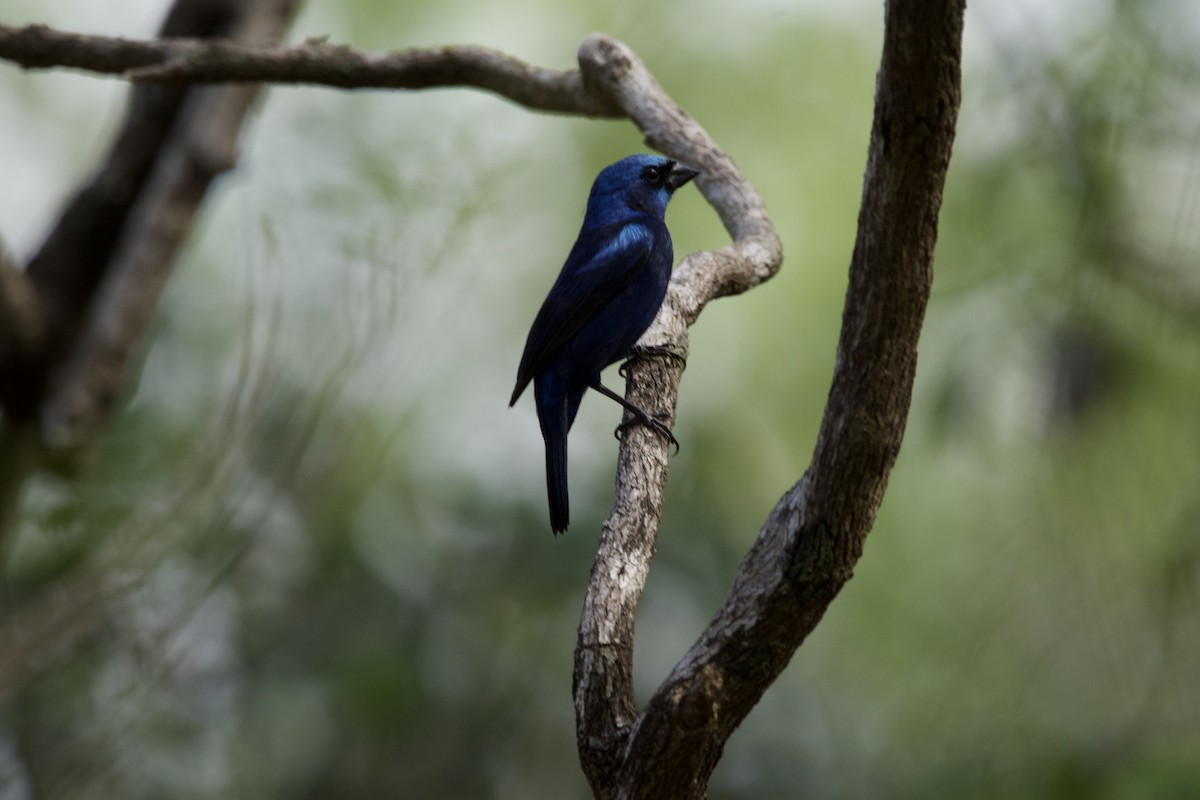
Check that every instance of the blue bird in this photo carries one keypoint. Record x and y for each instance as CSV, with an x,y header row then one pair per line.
x,y
606,296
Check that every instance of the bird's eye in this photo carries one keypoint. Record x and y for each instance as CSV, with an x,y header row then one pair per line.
x,y
651,174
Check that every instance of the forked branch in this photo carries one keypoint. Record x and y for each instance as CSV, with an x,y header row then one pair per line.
x,y
807,548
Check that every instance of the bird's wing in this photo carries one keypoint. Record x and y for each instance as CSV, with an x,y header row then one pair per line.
x,y
591,278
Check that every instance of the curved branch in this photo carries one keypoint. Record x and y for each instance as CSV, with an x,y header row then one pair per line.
x,y
313,62
807,548
611,81
603,676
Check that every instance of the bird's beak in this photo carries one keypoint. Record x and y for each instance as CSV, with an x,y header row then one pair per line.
x,y
680,174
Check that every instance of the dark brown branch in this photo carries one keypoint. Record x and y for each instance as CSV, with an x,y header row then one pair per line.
x,y
98,275
67,270
313,62
21,332
21,323
93,284
203,145
808,547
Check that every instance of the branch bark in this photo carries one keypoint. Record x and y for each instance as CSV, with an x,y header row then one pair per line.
x,y
605,711
313,62
806,550
203,144
97,276
809,544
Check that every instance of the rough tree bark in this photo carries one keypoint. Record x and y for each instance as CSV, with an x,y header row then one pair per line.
x,y
806,550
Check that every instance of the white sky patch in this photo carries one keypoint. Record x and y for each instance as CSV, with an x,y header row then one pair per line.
x,y
130,18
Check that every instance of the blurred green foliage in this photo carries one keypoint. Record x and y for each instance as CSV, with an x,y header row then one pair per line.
x,y
311,555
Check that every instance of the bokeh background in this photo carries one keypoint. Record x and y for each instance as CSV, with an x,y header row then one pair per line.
x,y
310,558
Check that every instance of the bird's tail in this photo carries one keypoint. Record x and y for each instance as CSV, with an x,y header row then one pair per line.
x,y
556,483
553,417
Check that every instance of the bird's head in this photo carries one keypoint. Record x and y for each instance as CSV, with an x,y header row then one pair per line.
x,y
641,183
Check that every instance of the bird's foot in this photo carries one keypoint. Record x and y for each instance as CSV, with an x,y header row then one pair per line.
x,y
649,351
656,425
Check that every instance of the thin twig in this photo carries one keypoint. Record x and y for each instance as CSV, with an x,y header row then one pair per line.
x,y
184,61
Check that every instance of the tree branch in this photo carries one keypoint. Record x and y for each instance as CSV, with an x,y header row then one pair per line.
x,y
21,323
91,288
203,144
603,677
69,268
98,275
313,62
807,549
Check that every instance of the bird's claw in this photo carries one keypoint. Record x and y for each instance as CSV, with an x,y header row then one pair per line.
x,y
650,422
642,353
